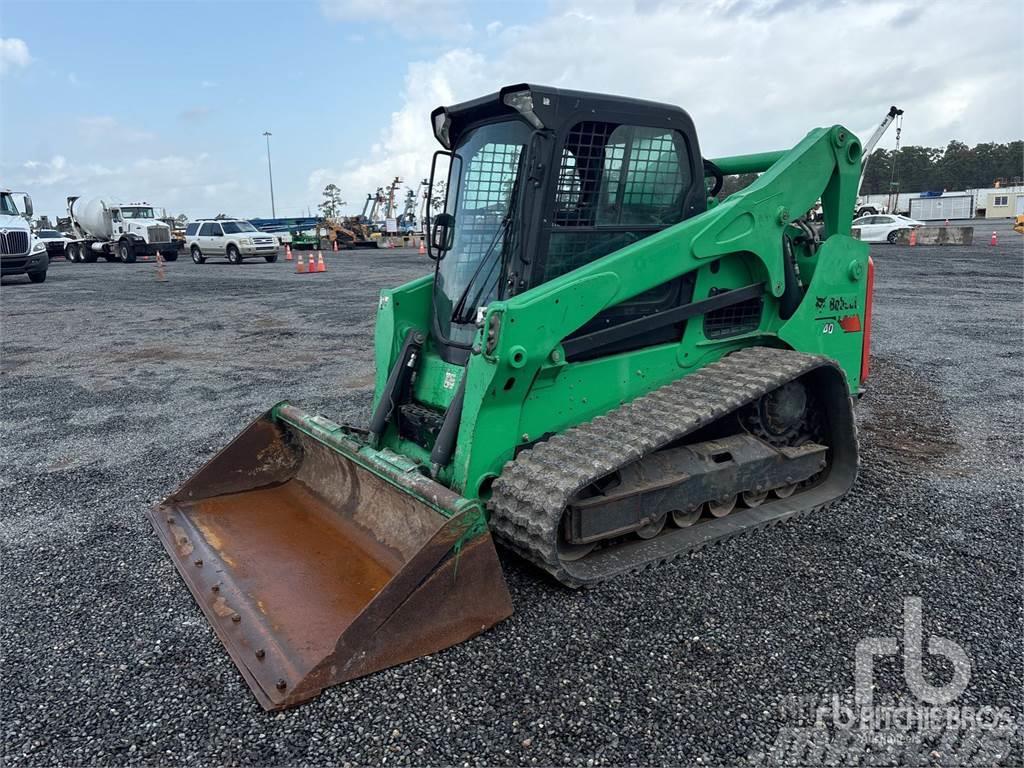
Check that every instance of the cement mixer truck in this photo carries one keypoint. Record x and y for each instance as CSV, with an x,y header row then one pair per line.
x,y
124,231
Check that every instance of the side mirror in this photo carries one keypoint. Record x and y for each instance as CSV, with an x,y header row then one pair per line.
x,y
442,236
28,206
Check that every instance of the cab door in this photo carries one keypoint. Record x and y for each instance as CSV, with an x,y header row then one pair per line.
x,y
117,226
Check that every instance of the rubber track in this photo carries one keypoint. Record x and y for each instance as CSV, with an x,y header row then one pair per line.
x,y
534,489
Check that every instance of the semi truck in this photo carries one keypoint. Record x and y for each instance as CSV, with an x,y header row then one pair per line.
x,y
20,252
123,231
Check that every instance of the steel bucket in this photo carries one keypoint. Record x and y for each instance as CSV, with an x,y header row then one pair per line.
x,y
318,560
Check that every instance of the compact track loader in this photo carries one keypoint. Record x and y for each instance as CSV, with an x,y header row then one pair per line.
x,y
607,369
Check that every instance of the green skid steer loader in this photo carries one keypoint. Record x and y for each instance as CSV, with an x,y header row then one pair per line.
x,y
607,369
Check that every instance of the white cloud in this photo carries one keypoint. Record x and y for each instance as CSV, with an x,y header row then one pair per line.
x,y
73,79
190,183
320,178
13,54
208,84
46,172
754,75
406,146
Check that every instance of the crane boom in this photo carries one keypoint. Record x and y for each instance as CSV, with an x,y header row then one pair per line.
x,y
869,145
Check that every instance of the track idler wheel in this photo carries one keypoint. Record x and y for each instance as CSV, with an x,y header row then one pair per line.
x,y
571,552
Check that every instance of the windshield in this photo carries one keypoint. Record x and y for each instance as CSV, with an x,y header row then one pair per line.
x,y
137,213
7,205
48,234
234,227
479,194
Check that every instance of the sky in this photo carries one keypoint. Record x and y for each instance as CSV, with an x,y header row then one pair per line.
x,y
167,102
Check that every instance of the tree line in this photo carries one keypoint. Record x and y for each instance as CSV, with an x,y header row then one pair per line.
x,y
957,167
919,169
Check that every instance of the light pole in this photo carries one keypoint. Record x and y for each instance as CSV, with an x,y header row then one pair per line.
x,y
270,171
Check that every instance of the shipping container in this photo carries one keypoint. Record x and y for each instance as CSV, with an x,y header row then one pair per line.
x,y
941,208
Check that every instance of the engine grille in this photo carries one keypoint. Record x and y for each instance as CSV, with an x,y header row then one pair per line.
x,y
419,423
13,243
159,235
732,321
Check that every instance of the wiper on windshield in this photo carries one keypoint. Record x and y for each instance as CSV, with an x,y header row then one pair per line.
x,y
459,310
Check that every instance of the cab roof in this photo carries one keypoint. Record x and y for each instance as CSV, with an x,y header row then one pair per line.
x,y
553,108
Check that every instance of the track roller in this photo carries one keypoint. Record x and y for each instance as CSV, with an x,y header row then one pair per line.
x,y
722,507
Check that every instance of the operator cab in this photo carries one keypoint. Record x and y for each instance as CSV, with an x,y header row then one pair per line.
x,y
539,181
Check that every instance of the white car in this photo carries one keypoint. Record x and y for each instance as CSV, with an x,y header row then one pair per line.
x,y
884,228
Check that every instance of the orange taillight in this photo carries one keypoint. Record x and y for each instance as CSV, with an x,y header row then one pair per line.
x,y
865,353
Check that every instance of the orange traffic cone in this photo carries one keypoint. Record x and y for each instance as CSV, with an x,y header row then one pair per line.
x,y
320,266
994,240
287,252
423,247
913,237
335,246
300,265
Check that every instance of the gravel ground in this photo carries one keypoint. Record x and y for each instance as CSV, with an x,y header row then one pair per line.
x,y
116,388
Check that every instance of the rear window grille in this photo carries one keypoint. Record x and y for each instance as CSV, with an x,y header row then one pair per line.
x,y
621,175
743,317
616,185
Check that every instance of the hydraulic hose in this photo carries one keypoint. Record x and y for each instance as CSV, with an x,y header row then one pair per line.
x,y
791,295
444,445
397,383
